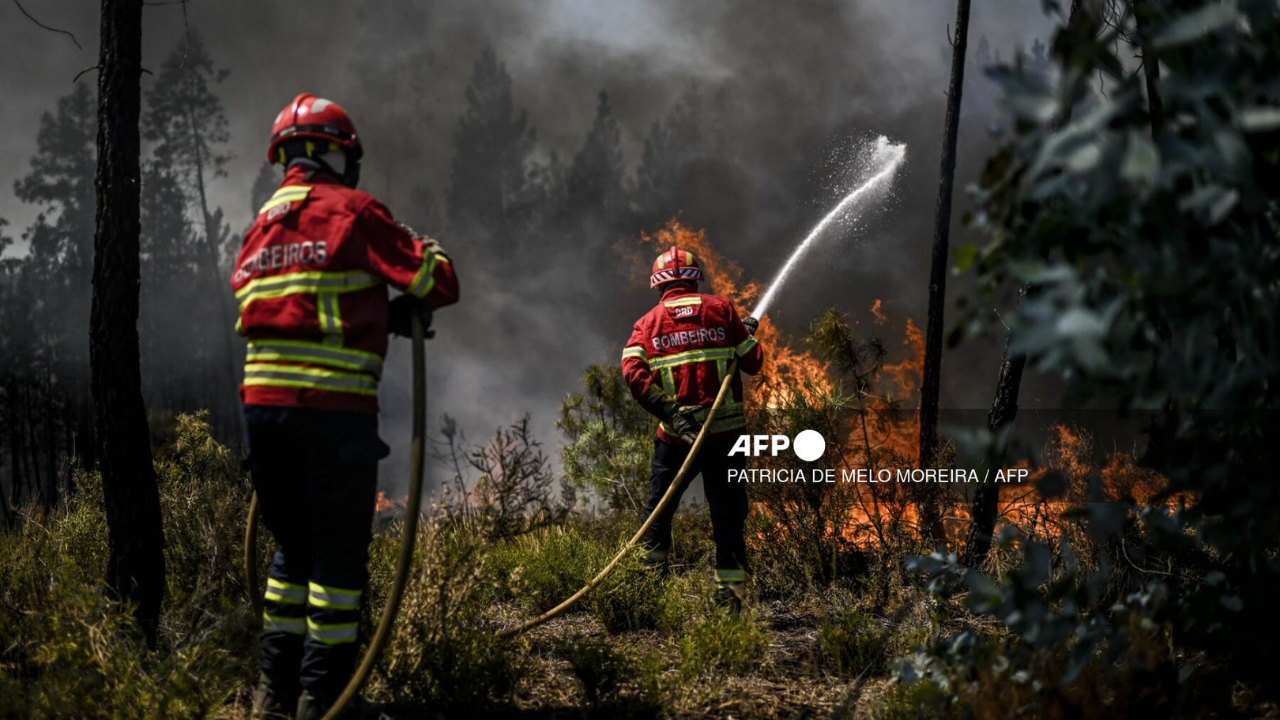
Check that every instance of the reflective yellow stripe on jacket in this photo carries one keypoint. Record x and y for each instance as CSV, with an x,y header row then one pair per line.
x,y
691,356
310,378
287,194
299,351
425,280
315,281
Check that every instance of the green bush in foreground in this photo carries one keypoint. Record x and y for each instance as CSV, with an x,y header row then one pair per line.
x,y
543,567
629,598
852,644
598,666
444,653
70,651
722,643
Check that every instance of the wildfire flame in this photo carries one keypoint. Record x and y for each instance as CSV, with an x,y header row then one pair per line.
x,y
788,370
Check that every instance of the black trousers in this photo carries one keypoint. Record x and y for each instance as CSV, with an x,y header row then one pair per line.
x,y
316,474
727,501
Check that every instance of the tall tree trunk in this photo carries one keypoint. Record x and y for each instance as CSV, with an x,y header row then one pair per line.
x,y
931,510
1004,406
136,565
15,448
1142,16
33,447
218,288
51,439
5,513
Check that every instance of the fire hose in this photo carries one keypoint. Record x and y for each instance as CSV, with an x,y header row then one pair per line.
x,y
671,493
408,534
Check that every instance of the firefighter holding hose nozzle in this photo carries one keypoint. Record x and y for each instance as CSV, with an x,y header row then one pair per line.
x,y
311,283
674,363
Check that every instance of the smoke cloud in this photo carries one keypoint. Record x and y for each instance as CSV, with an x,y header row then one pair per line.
x,y
783,86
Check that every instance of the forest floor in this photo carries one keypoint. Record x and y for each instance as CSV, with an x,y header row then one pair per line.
x,y
788,682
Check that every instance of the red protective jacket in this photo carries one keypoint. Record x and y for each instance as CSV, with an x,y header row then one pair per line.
x,y
686,343
311,281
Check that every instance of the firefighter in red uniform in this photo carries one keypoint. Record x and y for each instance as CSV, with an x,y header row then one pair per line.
x,y
674,363
311,282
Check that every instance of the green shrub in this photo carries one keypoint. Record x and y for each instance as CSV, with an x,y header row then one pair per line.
x,y
692,549
852,643
598,666
545,566
629,598
684,598
444,653
910,701
70,651
721,642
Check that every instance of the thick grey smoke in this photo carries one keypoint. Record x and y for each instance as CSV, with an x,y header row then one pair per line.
x,y
784,83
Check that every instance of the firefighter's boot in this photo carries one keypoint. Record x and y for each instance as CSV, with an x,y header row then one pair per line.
x,y
269,703
311,707
655,561
314,707
731,588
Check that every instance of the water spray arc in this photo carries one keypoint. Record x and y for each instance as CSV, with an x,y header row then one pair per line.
x,y
886,159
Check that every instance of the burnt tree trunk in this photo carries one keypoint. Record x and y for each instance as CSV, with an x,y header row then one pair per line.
x,y
931,510
1004,408
136,566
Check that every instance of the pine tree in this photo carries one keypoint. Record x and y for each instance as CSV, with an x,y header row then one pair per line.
x,y
55,285
170,288
595,184
188,126
672,144
491,153
1004,406
61,183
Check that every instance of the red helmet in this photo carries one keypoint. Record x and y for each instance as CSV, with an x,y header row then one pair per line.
x,y
313,117
675,265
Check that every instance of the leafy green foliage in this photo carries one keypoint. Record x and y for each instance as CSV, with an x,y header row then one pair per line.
x,y
630,598
1148,244
543,567
609,440
71,651
445,653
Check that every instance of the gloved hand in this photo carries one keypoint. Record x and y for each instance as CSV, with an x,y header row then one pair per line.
x,y
400,313
665,408
687,421
752,324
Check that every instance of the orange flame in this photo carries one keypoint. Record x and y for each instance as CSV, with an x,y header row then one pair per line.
x,y
788,371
